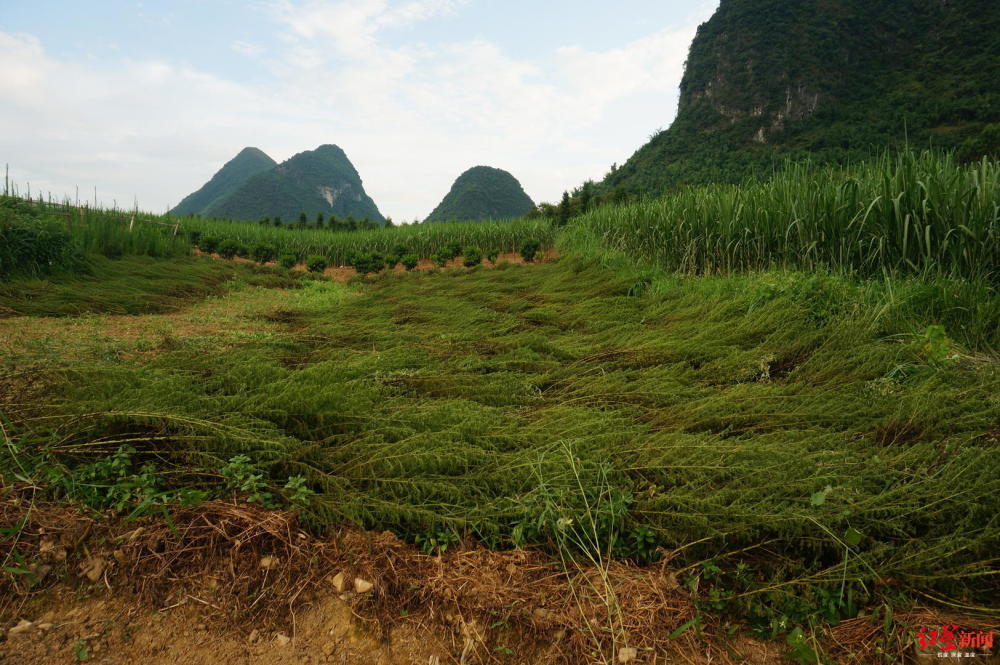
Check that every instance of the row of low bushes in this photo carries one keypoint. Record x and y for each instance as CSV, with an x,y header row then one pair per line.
x,y
364,262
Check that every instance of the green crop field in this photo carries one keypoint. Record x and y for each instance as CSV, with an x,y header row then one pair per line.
x,y
788,391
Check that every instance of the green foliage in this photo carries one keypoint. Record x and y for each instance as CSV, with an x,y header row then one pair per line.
x,y
441,257
131,285
436,542
409,261
368,262
692,418
289,260
791,437
244,478
529,249
264,253
472,256
483,193
907,214
492,255
228,249
938,349
30,244
395,256
114,481
421,239
826,81
316,263
209,243
298,492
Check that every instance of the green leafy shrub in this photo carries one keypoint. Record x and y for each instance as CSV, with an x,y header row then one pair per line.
x,y
492,256
409,261
316,263
435,542
288,260
299,494
366,263
228,249
243,477
441,257
453,249
395,256
209,244
264,253
242,251
529,250
472,256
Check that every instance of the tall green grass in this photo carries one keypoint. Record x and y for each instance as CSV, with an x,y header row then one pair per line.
x,y
38,237
115,235
338,247
899,214
30,245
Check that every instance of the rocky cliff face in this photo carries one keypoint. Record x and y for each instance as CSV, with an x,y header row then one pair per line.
x,y
831,79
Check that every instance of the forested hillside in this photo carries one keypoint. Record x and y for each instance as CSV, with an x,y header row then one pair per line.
x,y
829,80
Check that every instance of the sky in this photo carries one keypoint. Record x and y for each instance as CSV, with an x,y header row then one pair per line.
x,y
146,100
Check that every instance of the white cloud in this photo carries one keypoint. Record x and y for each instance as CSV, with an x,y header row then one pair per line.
x,y
247,49
411,116
353,25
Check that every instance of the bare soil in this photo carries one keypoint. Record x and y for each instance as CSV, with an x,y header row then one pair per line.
x,y
227,583
230,583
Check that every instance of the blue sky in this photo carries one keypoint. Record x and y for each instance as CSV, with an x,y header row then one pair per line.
x,y
145,100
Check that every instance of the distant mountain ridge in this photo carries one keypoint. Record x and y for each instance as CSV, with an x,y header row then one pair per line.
x,y
315,181
248,163
826,79
483,193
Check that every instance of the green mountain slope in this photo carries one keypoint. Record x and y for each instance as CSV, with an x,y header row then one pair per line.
x,y
229,178
321,180
481,193
831,79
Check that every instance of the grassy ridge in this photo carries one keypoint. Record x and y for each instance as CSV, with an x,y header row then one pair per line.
x,y
908,214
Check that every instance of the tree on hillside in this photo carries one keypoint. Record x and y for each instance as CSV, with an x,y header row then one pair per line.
x,y
563,210
319,220
586,195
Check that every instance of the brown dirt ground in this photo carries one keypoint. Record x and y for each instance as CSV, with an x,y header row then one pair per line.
x,y
233,584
